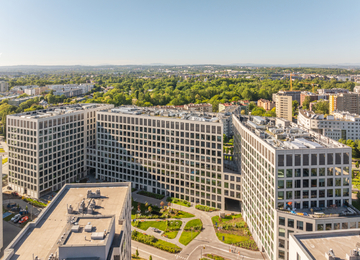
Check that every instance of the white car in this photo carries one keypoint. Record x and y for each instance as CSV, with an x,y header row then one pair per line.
x,y
17,216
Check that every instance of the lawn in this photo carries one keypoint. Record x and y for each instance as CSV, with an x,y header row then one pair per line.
x,y
187,235
156,212
205,208
170,228
179,201
152,241
9,217
234,230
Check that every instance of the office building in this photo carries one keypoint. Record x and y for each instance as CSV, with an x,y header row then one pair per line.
x,y
4,86
83,221
349,102
293,181
331,245
174,154
1,212
266,104
328,91
202,107
294,94
284,107
47,148
17,101
338,125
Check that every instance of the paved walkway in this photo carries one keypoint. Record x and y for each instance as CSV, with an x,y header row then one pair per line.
x,y
206,238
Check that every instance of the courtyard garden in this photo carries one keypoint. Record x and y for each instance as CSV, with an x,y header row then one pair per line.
x,y
232,229
152,241
148,211
169,227
191,230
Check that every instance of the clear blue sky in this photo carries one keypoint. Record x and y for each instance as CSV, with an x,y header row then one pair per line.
x,y
77,32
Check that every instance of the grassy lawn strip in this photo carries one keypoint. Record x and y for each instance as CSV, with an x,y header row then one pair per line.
x,y
171,234
205,208
179,201
215,257
151,195
152,241
156,212
8,218
35,203
233,230
187,235
146,224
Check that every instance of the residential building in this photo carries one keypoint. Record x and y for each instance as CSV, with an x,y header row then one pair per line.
x,y
174,154
295,94
338,125
349,102
47,148
332,91
83,221
202,107
266,104
4,86
293,181
18,101
284,106
336,244
243,104
312,97
1,212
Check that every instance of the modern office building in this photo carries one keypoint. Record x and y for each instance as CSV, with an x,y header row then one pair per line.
x,y
293,181
175,154
47,148
4,86
284,107
338,125
1,212
331,245
83,221
349,102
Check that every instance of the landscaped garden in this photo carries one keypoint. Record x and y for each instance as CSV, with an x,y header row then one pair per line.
x,y
170,228
233,230
35,203
178,201
148,211
215,257
152,241
151,195
205,208
191,230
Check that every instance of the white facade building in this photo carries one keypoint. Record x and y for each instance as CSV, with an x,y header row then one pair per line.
x,y
47,148
339,125
292,181
4,86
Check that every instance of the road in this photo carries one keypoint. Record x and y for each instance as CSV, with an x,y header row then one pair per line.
x,y
206,238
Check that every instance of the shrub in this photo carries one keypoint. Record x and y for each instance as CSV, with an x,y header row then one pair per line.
x,y
151,195
35,203
205,208
152,241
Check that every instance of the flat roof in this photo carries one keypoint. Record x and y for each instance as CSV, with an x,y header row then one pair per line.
x,y
317,244
42,238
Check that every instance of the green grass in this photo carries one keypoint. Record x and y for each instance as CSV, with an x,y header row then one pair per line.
x,y
205,208
171,234
183,214
4,160
152,241
226,218
215,257
187,236
179,202
230,238
196,224
146,224
8,218
35,203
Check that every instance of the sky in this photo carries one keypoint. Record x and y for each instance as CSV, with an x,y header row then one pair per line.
x,y
77,32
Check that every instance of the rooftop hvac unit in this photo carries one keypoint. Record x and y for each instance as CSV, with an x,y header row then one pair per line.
x,y
330,255
88,227
97,235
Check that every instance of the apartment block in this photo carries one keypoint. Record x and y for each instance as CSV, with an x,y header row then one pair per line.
x,y
266,104
284,107
295,94
4,86
349,102
293,181
83,221
178,155
47,148
338,125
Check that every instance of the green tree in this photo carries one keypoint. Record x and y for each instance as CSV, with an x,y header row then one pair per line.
x,y
321,107
306,103
150,258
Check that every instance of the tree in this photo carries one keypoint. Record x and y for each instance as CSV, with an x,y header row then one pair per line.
x,y
150,209
258,111
150,258
306,103
357,164
321,107
137,253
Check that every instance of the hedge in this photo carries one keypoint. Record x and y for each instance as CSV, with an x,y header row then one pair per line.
x,y
152,241
205,208
151,195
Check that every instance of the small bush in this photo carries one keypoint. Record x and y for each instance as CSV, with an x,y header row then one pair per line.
x,y
152,241
205,208
35,203
151,195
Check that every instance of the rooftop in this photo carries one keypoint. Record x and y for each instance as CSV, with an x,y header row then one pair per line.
x,y
176,114
53,227
336,116
316,244
59,110
283,134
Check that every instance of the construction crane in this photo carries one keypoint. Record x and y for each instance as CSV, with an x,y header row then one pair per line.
x,y
312,84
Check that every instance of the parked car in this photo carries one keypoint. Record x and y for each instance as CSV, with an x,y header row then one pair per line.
x,y
157,230
24,219
16,218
